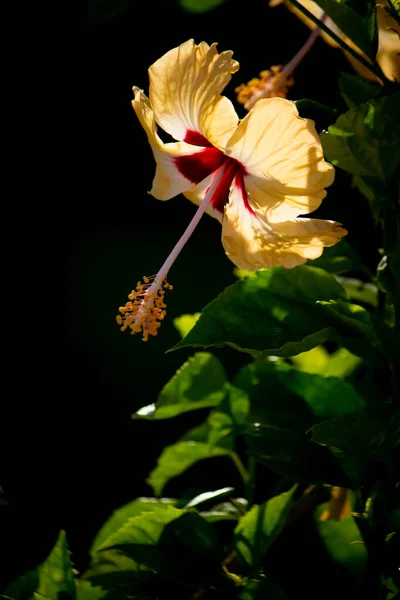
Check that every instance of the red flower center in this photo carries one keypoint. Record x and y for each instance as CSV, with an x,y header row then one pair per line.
x,y
198,166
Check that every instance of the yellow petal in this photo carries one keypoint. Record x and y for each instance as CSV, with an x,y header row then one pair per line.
x,y
168,181
282,155
185,87
252,243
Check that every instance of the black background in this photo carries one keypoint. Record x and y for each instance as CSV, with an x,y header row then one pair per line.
x,y
76,453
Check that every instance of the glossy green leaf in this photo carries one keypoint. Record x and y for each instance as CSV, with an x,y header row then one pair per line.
x,y
365,141
259,528
357,20
275,312
340,258
121,516
199,383
208,496
356,91
199,6
175,459
343,541
285,403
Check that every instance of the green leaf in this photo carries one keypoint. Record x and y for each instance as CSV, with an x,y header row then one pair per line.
x,y
199,383
356,91
260,589
259,528
285,403
55,574
318,361
357,20
207,496
179,545
343,542
365,141
199,6
351,317
358,291
354,439
340,258
185,323
24,586
85,591
350,433
121,516
175,459
52,579
228,418
275,312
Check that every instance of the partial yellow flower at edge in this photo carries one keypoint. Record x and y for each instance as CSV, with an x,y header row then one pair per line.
x,y
255,176
388,41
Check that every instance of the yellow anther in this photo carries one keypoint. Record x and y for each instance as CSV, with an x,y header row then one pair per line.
x,y
145,309
272,83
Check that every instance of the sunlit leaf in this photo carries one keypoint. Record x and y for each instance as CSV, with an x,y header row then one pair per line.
x,y
175,459
199,383
259,528
55,574
366,293
365,141
356,91
208,496
185,323
342,540
357,20
275,312
121,516
320,362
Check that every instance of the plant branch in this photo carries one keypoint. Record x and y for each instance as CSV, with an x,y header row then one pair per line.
x,y
374,68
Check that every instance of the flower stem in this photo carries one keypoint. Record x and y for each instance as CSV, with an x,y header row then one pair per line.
x,y
374,68
251,483
241,468
298,57
163,272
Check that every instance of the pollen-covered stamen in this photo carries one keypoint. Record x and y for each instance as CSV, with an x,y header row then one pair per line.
x,y
276,81
146,307
272,83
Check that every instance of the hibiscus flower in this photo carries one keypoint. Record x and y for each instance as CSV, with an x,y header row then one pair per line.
x,y
256,176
